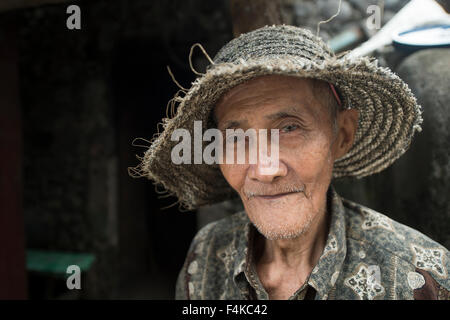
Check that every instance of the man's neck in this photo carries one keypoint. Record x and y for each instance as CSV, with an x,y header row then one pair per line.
x,y
283,265
301,252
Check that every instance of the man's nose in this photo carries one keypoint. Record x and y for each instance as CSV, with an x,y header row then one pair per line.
x,y
267,172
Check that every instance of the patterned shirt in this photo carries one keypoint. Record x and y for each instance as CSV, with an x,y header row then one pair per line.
x,y
366,256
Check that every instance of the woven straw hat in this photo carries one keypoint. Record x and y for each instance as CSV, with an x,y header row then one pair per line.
x,y
388,112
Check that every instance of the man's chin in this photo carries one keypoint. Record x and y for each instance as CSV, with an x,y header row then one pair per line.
x,y
279,234
277,227
277,206
280,219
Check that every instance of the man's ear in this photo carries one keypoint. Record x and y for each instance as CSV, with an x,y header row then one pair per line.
x,y
347,124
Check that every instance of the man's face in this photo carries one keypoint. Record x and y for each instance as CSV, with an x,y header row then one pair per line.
x,y
283,204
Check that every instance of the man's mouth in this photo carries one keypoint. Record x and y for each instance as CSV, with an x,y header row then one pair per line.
x,y
274,196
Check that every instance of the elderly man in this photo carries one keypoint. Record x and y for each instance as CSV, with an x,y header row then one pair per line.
x,y
296,238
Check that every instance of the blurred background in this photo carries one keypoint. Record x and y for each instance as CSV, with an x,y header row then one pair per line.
x,y
72,101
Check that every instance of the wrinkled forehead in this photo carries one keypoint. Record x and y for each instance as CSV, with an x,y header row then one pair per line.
x,y
271,92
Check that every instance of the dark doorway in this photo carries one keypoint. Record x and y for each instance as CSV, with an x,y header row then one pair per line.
x,y
153,240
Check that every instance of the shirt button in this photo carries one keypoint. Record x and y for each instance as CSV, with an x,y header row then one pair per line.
x,y
362,254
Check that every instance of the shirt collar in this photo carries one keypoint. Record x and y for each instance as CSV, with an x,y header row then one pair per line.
x,y
325,273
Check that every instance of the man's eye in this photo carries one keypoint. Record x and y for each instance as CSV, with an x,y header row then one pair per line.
x,y
289,128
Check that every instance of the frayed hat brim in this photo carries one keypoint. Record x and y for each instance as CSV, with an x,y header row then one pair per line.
x,y
389,114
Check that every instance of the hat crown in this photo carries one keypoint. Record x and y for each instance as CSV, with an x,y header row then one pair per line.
x,y
274,42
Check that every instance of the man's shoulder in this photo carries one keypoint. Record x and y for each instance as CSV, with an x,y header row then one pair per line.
x,y
374,227
389,238
210,257
222,227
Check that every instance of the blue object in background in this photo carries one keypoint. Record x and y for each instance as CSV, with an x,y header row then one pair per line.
x,y
428,37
